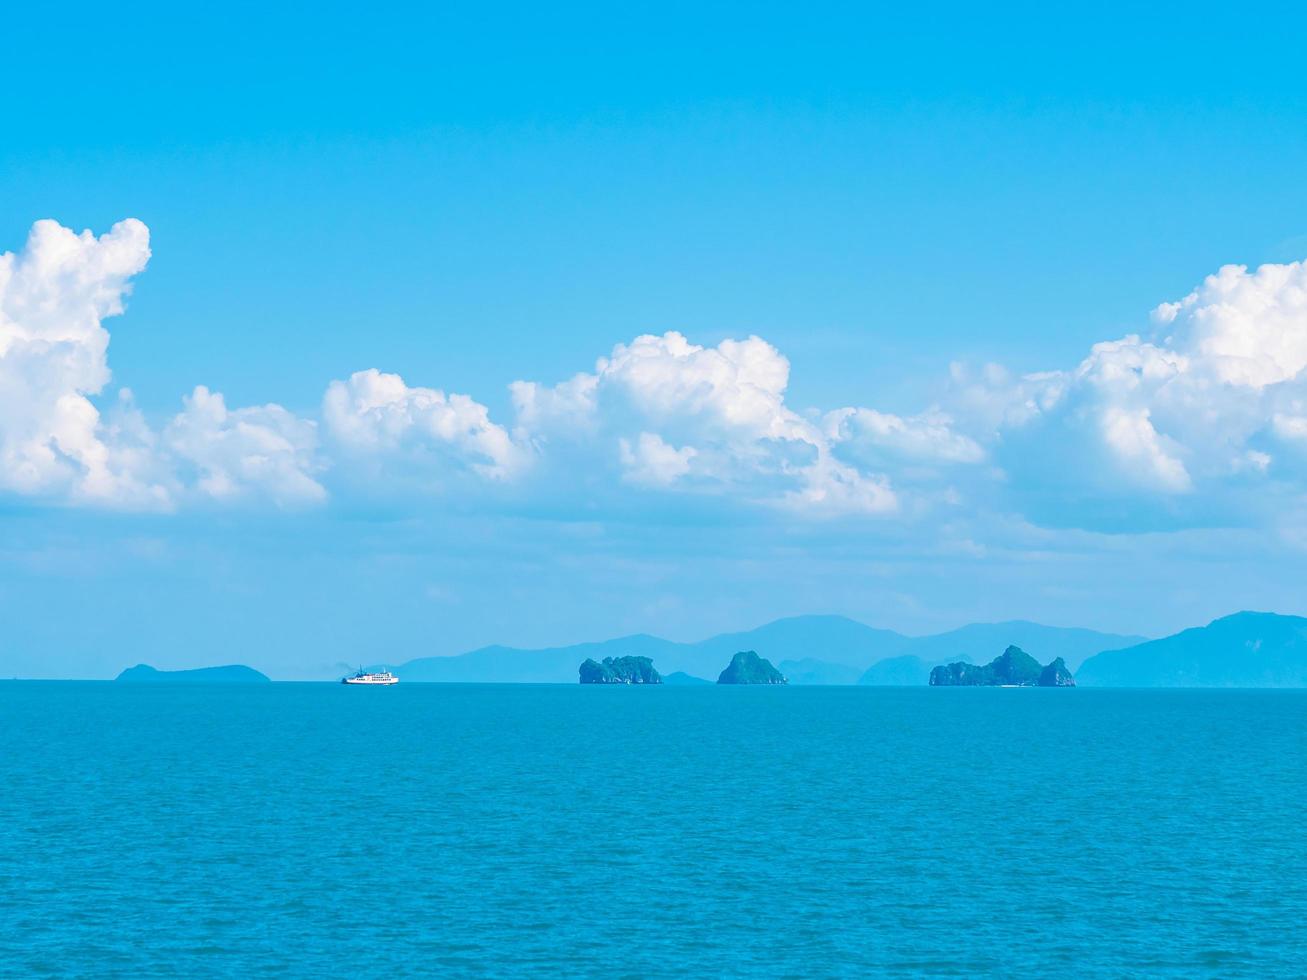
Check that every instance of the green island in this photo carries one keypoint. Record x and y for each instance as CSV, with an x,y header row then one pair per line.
x,y
746,667
619,670
1012,668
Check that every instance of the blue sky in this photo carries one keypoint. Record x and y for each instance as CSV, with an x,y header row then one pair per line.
x,y
929,219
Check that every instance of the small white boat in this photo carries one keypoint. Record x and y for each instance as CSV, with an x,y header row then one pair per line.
x,y
379,677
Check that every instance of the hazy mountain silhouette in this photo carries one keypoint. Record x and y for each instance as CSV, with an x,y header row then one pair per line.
x,y
812,671
978,642
904,671
1247,649
829,649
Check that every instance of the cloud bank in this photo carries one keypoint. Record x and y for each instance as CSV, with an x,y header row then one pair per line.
x,y
1201,417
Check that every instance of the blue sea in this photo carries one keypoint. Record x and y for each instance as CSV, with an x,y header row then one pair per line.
x,y
513,831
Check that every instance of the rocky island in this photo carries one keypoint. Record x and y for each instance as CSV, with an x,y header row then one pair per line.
x,y
1012,668
747,667
1056,674
229,674
620,670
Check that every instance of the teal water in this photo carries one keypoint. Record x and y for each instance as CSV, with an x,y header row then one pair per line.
x,y
508,831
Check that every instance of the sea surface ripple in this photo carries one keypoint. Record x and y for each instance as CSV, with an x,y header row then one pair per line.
x,y
513,831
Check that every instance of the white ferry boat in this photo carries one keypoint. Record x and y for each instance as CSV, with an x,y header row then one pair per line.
x,y
380,677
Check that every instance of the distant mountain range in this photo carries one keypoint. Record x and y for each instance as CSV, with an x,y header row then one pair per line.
x,y
1248,649
806,649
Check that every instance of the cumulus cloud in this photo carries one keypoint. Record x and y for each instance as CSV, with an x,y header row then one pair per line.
x,y
652,462
830,488
56,444
263,452
1211,407
377,415
1191,415
709,420
53,359
569,405
735,390
1247,328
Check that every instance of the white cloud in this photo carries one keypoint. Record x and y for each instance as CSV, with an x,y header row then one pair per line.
x,y
379,416
53,358
1130,436
1213,411
570,404
1205,406
833,489
1118,387
930,437
652,462
702,419
261,453
1250,328
735,390
55,444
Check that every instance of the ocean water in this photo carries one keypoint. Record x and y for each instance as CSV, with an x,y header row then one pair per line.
x,y
512,831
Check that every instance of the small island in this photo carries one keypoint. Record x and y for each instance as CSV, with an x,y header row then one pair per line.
x,y
1012,668
620,670
747,667
1056,674
229,674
